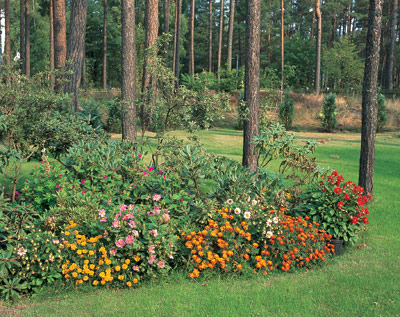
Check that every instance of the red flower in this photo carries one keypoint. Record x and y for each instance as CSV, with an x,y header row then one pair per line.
x,y
335,173
340,204
366,211
365,219
324,189
337,190
347,197
354,220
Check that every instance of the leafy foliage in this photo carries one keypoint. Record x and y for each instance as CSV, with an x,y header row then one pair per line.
x,y
286,111
382,113
328,114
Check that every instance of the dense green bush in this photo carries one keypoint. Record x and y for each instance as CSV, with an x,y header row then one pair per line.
x,y
328,114
286,111
382,113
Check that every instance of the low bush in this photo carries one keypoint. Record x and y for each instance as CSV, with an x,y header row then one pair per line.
x,y
286,111
328,114
382,113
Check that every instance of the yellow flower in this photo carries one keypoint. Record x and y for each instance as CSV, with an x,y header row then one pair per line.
x,y
91,252
79,252
102,274
124,266
108,262
135,280
108,271
91,266
127,261
85,278
86,262
129,284
73,247
95,283
75,275
137,258
101,262
103,282
120,277
118,268
67,233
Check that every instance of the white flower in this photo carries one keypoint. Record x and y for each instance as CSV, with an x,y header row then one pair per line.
x,y
248,199
21,251
237,210
229,201
269,223
269,234
275,220
254,202
44,150
247,215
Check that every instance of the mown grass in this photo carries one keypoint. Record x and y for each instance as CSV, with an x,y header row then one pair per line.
x,y
365,281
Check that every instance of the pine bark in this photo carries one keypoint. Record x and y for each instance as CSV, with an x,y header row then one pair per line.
x,y
369,97
178,39
252,82
210,35
76,48
149,82
105,9
282,47
391,46
317,81
128,91
221,30
230,34
60,39
166,30
191,46
7,44
27,40
51,15
22,34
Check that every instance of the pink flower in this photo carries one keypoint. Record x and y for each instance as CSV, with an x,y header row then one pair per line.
x,y
135,268
164,176
61,175
165,217
115,224
83,192
132,224
129,239
154,232
115,170
152,249
134,187
151,169
156,197
56,241
161,172
135,233
113,251
161,264
83,182
120,243
105,233
109,202
139,155
21,251
123,207
131,207
105,177
103,219
152,259
102,213
181,199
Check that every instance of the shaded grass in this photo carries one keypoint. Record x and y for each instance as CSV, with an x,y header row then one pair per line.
x,y
365,281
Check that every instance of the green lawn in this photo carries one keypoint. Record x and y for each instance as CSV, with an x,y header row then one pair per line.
x,y
365,281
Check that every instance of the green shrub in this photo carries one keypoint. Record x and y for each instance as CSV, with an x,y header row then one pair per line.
x,y
382,113
328,115
91,113
286,111
114,116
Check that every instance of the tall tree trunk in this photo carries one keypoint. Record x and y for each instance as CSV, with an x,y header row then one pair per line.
x,y
52,77
149,83
7,44
76,48
230,35
210,33
269,32
349,17
178,39
317,81
166,29
313,23
128,89
60,39
22,34
369,97
191,46
27,40
252,82
105,6
282,47
393,36
221,30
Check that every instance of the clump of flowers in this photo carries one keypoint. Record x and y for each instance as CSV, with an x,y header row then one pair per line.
x,y
132,243
339,206
262,239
